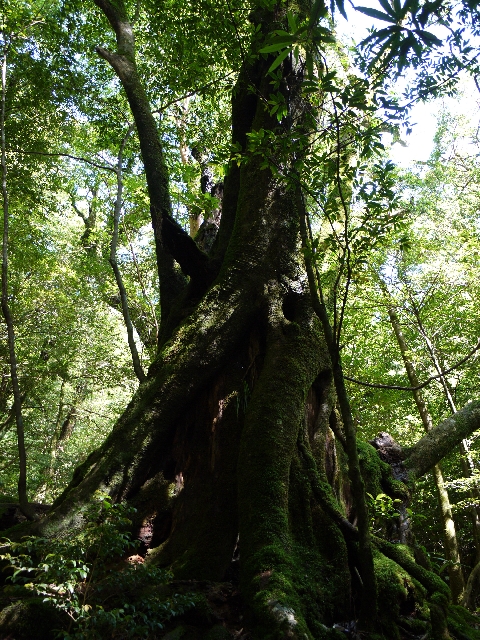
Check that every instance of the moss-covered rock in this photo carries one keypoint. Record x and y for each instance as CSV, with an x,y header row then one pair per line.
x,y
30,619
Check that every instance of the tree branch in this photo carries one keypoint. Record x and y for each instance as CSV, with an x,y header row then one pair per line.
x,y
441,440
184,249
156,172
65,155
117,16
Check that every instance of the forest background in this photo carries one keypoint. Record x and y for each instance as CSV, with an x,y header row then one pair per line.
x,y
82,291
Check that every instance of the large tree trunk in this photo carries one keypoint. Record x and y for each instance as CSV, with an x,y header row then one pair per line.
x,y
233,405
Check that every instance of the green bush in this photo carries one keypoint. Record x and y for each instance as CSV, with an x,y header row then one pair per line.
x,y
383,511
82,578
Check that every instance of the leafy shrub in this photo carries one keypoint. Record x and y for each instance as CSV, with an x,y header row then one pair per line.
x,y
383,511
81,577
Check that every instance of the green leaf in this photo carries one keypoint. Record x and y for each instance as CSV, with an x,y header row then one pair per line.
x,y
340,4
428,38
374,13
292,21
318,11
320,34
388,8
277,46
279,59
378,35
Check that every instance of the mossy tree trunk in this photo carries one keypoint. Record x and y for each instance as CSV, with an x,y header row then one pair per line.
x,y
217,442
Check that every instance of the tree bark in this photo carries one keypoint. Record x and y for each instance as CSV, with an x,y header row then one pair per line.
x,y
441,440
171,242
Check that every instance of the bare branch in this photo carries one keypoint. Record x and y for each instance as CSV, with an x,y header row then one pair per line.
x,y
65,155
395,387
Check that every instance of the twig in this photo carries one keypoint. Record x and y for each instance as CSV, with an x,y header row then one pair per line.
x,y
65,155
395,387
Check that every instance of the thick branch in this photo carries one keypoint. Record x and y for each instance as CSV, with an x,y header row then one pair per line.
x,y
123,63
168,234
184,249
118,18
441,440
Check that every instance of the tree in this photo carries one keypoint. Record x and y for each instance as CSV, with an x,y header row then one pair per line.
x,y
237,405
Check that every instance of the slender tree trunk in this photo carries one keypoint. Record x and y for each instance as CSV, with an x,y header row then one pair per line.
x,y
465,457
137,366
17,397
457,584
369,593
22,477
473,584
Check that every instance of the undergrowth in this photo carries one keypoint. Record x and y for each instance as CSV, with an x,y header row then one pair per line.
x,y
88,580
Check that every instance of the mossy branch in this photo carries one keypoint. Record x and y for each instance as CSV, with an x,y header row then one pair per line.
x,y
441,440
123,63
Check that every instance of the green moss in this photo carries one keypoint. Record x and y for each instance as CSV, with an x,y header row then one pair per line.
x,y
462,623
300,588
29,619
372,467
395,585
399,595
402,555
